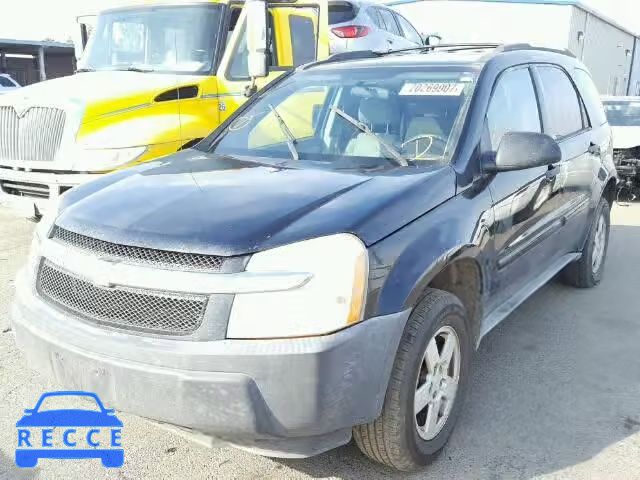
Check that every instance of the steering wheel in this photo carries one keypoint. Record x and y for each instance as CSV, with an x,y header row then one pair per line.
x,y
433,138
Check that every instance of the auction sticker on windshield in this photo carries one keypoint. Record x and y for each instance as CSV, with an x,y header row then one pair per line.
x,y
449,89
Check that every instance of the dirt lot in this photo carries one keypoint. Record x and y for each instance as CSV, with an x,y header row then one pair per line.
x,y
555,394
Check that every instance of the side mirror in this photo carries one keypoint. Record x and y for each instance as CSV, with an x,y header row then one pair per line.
x,y
523,150
432,39
86,24
257,37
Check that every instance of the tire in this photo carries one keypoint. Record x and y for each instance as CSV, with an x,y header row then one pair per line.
x,y
584,273
394,438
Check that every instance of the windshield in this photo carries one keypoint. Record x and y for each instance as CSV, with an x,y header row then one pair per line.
x,y
162,39
623,114
355,118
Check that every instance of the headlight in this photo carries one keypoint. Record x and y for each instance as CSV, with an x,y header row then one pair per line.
x,y
107,158
332,299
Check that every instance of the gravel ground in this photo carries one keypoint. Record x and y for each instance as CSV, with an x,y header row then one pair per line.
x,y
555,393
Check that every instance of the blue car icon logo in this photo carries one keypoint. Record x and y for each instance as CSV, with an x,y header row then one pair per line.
x,y
69,433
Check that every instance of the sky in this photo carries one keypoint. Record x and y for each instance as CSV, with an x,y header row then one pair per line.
x,y
56,19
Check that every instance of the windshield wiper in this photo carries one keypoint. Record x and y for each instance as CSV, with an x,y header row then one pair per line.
x,y
82,70
291,139
397,156
133,68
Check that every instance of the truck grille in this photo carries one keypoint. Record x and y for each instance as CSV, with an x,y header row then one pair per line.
x,y
155,312
34,136
138,255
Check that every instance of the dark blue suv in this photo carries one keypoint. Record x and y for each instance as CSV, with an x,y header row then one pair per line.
x,y
326,262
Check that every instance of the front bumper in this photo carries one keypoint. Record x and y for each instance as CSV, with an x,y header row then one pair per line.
x,y
289,398
31,194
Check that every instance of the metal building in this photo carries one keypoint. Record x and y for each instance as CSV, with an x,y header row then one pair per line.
x,y
31,61
611,51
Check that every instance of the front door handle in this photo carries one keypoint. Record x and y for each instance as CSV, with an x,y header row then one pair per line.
x,y
595,149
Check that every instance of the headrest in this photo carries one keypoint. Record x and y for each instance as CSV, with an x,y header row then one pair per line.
x,y
376,112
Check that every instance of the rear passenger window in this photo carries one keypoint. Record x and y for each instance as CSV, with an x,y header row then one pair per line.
x,y
410,33
513,106
562,105
590,96
303,40
390,22
374,15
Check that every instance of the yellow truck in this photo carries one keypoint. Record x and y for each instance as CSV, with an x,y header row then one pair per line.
x,y
154,77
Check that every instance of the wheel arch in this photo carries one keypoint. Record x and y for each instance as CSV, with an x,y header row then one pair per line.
x,y
460,273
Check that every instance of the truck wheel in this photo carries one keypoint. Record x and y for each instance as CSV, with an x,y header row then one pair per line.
x,y
587,272
428,383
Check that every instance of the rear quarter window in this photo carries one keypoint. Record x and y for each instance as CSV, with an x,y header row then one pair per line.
x,y
590,96
341,12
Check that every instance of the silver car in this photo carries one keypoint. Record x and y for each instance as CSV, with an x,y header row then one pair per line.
x,y
356,25
7,84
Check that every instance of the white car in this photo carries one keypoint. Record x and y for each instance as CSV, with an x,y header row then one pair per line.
x,y
367,25
623,114
7,84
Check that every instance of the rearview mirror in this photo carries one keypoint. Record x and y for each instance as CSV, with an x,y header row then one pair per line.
x,y
523,150
257,37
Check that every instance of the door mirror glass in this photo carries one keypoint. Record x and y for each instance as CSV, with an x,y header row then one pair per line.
x,y
432,39
523,150
257,37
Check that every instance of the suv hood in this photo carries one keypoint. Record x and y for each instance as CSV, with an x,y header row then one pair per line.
x,y
196,202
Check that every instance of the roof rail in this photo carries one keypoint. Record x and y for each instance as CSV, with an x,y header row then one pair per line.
x,y
527,46
449,47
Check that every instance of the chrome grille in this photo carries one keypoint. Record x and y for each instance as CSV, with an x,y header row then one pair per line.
x,y
163,313
35,136
138,255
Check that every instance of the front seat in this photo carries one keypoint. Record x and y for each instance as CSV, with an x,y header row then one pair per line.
x,y
380,116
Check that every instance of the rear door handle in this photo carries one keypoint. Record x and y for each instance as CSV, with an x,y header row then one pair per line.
x,y
595,149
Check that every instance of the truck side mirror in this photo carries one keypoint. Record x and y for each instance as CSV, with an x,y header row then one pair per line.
x,y
86,24
257,38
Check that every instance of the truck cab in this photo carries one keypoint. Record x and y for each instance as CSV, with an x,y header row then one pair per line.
x,y
153,78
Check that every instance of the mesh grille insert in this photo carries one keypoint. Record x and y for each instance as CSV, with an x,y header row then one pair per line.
x,y
140,255
165,313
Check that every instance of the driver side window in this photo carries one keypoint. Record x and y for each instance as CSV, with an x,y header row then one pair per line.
x,y
513,107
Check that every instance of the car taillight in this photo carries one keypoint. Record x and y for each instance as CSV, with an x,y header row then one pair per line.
x,y
352,31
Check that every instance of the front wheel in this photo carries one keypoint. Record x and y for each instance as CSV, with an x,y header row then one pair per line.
x,y
427,385
588,271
